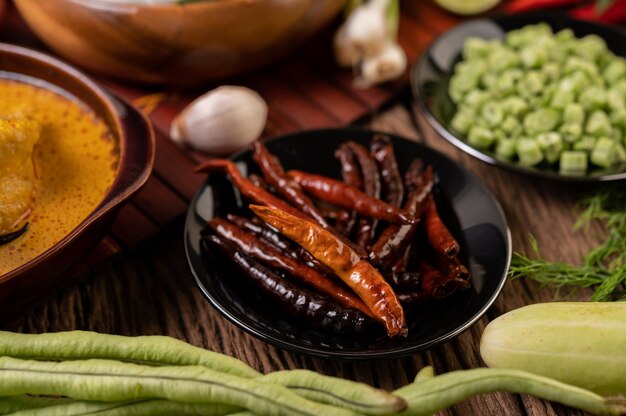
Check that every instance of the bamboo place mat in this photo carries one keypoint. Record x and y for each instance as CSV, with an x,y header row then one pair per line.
x,y
305,90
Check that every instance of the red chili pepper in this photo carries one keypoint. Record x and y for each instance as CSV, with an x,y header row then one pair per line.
x,y
345,196
438,234
350,172
358,274
435,283
614,13
247,188
395,239
265,253
518,6
275,175
294,300
382,150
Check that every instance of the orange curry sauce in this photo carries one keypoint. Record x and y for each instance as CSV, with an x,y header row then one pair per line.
x,y
76,161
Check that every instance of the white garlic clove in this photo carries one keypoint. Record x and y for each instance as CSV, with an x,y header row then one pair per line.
x,y
221,121
366,29
389,64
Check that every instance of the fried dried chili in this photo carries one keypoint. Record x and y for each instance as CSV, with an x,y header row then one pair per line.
x,y
438,234
358,274
366,227
412,298
350,172
345,196
395,239
435,283
249,245
295,301
453,269
247,188
258,181
275,175
264,232
383,152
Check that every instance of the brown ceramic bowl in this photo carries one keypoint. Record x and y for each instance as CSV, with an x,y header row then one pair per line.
x,y
175,44
136,146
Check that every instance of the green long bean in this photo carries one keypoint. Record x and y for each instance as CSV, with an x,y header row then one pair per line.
x,y
12,404
430,395
153,349
74,345
133,408
358,397
106,380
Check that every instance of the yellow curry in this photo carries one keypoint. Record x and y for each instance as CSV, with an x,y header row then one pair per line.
x,y
57,161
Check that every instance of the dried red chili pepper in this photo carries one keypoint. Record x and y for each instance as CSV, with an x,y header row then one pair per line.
x,y
436,284
275,175
453,269
345,196
366,227
350,172
358,274
395,239
438,234
249,245
412,298
295,301
258,181
247,188
264,232
518,6
383,152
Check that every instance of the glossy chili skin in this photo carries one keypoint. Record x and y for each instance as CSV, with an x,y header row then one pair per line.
x,y
358,274
395,239
351,174
249,245
287,247
293,300
345,196
438,234
453,269
383,152
246,187
258,181
411,298
366,227
436,284
275,175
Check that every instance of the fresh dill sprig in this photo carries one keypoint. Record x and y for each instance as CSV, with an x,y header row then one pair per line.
x,y
603,268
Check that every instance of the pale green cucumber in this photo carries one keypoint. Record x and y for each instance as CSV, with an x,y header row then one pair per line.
x,y
579,343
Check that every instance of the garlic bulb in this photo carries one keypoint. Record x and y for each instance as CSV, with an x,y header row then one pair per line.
x,y
221,121
366,27
387,65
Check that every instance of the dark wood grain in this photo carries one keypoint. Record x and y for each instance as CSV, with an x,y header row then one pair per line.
x,y
148,289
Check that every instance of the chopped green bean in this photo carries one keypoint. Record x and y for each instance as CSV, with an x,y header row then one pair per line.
x,y
562,91
529,152
598,124
603,152
573,162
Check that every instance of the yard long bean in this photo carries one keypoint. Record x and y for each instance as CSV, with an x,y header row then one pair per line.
x,y
431,394
107,380
155,407
154,349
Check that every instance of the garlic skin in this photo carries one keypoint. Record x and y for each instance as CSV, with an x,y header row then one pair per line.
x,y
221,121
387,65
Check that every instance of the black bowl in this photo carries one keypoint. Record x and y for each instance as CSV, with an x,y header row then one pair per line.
x,y
471,211
432,72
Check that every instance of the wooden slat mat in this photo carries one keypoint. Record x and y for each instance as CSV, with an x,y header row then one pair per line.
x,y
303,91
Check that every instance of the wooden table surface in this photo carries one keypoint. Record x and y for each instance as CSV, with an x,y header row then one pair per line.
x,y
149,289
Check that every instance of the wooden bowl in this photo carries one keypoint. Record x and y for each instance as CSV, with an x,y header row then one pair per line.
x,y
175,44
136,148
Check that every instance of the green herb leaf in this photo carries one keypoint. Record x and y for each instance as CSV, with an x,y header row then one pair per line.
x,y
603,268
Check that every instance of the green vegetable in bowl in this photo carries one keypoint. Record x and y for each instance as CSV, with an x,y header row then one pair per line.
x,y
555,98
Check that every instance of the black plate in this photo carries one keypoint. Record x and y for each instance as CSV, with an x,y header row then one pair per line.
x,y
471,211
431,74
